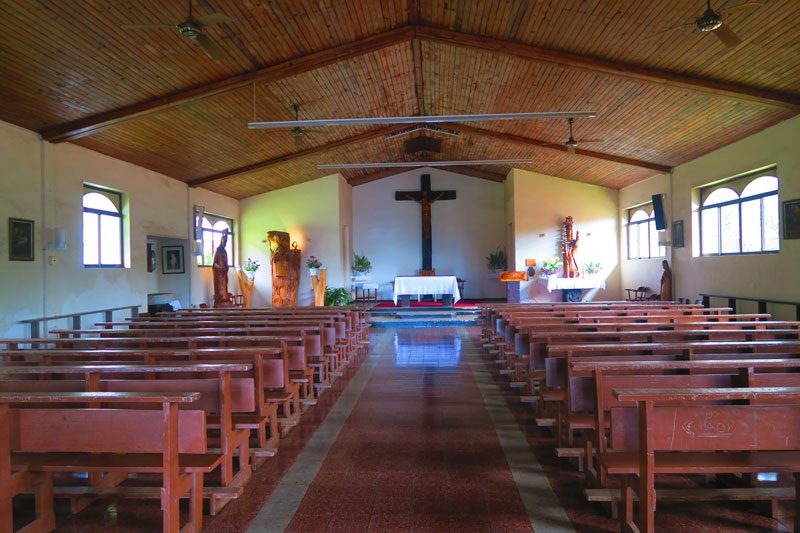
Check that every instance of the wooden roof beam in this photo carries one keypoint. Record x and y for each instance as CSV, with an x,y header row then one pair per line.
x,y
292,67
527,141
261,165
474,172
741,93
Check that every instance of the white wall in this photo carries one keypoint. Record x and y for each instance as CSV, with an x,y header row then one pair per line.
x,y
773,276
540,204
645,272
465,230
44,182
310,212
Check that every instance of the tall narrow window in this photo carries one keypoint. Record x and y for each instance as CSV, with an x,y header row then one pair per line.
x,y
211,228
642,233
741,216
102,227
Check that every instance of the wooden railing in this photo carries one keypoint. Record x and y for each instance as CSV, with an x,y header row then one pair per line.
x,y
762,302
76,318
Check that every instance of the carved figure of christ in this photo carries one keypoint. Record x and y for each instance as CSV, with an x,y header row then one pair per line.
x,y
425,197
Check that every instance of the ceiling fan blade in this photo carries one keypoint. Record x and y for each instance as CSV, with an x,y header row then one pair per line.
x,y
214,18
660,33
148,26
584,141
211,49
726,35
741,7
418,120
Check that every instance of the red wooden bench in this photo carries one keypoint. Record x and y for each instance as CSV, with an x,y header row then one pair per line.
x,y
692,436
57,436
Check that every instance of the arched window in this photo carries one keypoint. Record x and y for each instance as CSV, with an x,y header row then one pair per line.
x,y
642,233
102,227
740,216
211,228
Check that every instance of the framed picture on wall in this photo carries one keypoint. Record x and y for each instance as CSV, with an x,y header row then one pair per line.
x,y
677,234
791,219
172,260
20,239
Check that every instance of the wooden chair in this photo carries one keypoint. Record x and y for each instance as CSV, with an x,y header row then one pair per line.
x,y
368,292
427,272
638,295
460,283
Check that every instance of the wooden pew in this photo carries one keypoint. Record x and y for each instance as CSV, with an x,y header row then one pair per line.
x,y
222,398
690,435
263,422
57,436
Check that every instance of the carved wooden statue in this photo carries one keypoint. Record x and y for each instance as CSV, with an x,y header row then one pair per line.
x,y
285,261
222,298
666,282
571,269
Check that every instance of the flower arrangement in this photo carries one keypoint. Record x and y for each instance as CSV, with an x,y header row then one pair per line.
x,y
550,266
592,267
251,265
361,264
313,262
497,260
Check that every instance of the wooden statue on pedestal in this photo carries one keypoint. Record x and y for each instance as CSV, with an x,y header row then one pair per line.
x,y
285,261
222,298
666,282
571,269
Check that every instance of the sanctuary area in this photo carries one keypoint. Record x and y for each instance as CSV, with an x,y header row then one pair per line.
x,y
399,265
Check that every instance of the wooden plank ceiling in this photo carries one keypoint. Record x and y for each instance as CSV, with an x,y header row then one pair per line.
x,y
68,71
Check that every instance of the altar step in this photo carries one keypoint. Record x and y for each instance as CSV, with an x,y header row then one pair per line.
x,y
424,317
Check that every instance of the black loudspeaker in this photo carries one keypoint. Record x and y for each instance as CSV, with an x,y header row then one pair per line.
x,y
658,212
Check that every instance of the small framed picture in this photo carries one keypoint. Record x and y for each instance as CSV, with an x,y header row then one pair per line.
x,y
20,239
791,219
677,234
172,260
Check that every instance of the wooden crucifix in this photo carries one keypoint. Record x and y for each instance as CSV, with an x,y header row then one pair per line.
x,y
425,197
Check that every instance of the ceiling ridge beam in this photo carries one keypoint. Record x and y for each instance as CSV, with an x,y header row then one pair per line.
x,y
527,141
292,67
261,165
651,76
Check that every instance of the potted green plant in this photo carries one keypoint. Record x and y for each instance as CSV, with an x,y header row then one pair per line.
x,y
313,265
361,266
550,266
337,297
497,262
592,267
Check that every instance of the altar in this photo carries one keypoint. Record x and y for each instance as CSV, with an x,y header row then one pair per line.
x,y
571,287
407,286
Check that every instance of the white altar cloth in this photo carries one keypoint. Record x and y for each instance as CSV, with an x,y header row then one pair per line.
x,y
419,285
588,282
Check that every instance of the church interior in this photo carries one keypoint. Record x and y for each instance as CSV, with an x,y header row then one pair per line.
x,y
399,265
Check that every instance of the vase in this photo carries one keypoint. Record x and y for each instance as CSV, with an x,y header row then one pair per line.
x,y
251,274
313,271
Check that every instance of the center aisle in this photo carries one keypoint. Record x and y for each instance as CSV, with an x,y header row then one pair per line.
x,y
418,452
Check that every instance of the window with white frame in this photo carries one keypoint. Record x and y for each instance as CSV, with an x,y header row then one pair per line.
x,y
211,228
642,233
741,216
102,227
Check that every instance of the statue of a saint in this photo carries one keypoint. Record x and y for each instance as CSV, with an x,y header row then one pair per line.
x,y
222,298
571,269
666,282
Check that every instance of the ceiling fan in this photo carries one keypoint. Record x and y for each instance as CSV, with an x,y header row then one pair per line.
x,y
571,144
299,134
191,28
429,119
712,22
